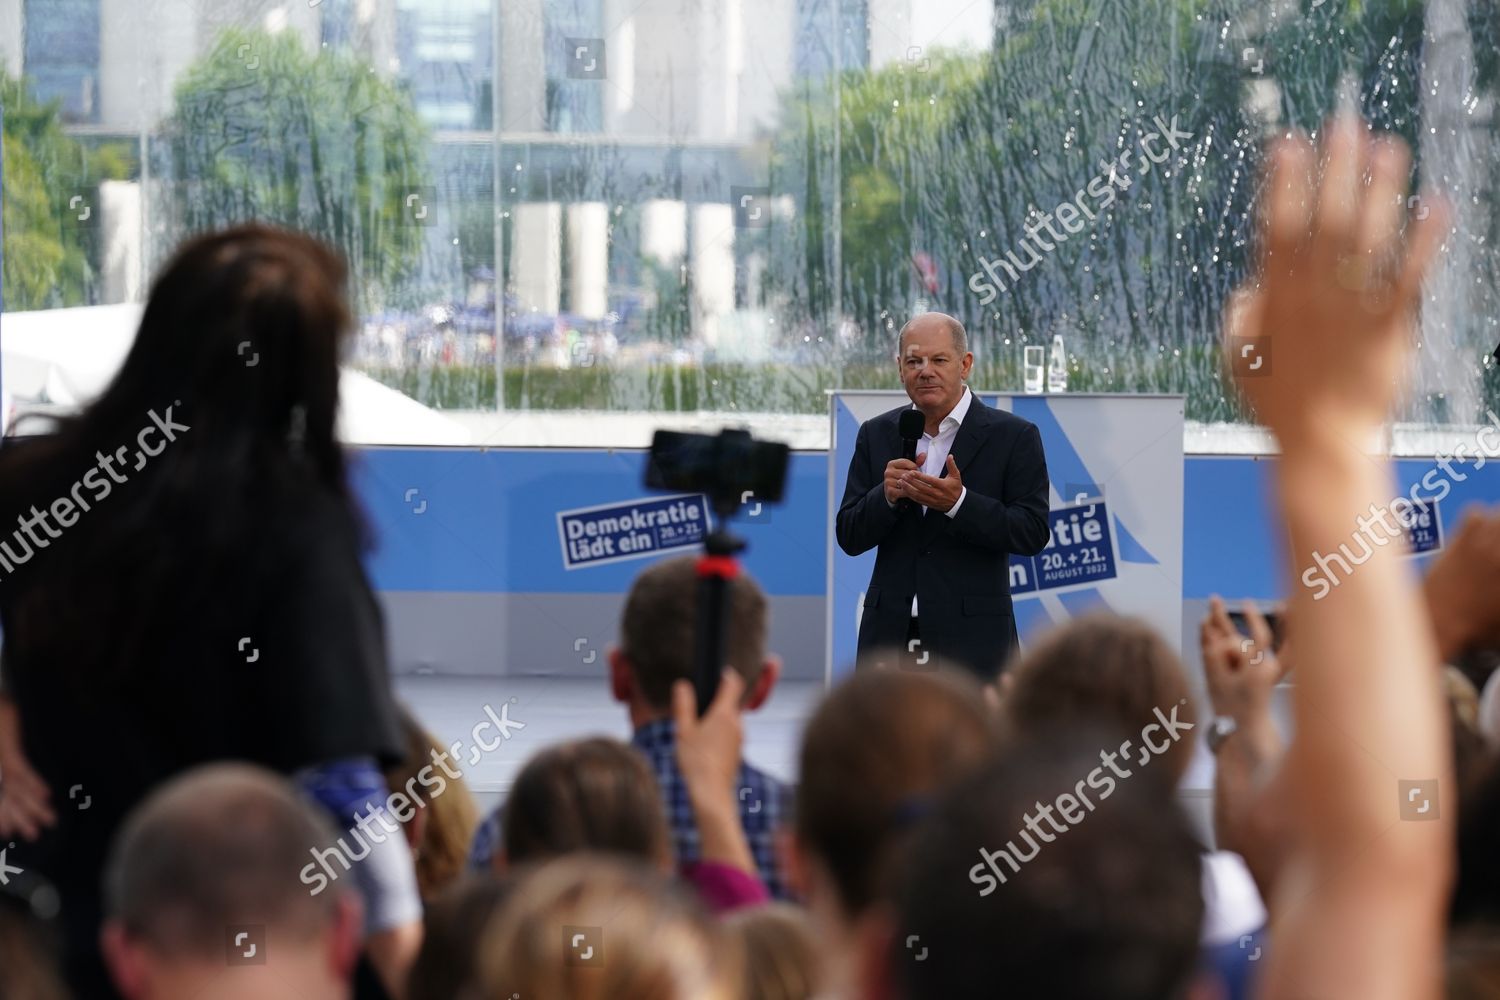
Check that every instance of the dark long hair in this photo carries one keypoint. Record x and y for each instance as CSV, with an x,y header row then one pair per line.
x,y
240,342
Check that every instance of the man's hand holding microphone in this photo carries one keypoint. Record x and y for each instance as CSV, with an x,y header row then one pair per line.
x,y
895,479
906,483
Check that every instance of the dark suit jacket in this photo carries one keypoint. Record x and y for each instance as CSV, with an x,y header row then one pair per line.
x,y
957,567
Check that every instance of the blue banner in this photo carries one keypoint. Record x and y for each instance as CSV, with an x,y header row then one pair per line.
x,y
634,529
1080,551
1424,529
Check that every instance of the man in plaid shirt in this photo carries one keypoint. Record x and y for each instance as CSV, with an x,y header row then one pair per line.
x,y
656,648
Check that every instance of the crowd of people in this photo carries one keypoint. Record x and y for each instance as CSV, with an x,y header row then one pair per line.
x,y
201,660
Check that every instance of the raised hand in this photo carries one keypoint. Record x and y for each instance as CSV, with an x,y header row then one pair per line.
x,y
1333,309
1330,320
1240,672
708,754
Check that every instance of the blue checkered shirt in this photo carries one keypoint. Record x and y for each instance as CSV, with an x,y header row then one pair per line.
x,y
765,803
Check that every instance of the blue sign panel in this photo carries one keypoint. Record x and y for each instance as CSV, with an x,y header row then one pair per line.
x,y
1424,530
1022,575
1080,551
593,536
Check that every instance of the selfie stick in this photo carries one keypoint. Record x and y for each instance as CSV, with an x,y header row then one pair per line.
x,y
716,567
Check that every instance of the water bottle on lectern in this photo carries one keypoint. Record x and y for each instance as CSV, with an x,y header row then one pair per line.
x,y
1057,367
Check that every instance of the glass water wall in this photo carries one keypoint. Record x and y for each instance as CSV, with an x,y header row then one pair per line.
x,y
599,208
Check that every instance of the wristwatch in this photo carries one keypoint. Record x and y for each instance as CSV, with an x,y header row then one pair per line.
x,y
1219,730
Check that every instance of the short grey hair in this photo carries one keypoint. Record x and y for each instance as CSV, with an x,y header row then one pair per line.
x,y
960,335
218,844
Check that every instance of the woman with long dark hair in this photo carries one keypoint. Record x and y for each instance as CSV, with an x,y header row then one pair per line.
x,y
180,576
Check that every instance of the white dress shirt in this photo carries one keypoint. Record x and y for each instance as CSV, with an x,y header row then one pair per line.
x,y
937,446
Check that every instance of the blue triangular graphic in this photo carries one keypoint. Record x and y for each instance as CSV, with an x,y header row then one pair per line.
x,y
1130,549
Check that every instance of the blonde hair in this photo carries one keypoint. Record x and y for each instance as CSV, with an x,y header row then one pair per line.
x,y
781,960
643,937
442,854
1462,695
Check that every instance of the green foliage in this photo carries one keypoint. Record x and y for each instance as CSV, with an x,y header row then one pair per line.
x,y
953,157
715,387
669,319
264,130
773,388
48,251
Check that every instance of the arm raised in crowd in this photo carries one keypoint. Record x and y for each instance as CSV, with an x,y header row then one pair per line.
x,y
1358,911
708,754
1241,673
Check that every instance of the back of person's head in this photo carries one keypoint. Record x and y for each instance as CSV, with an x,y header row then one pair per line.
x,y
781,958
210,865
221,416
241,336
452,927
245,326
1478,662
1471,751
442,825
1476,890
596,928
595,794
1472,963
1104,669
874,754
30,938
1047,874
660,618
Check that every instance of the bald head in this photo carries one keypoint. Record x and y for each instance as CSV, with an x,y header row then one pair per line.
x,y
220,845
937,323
933,362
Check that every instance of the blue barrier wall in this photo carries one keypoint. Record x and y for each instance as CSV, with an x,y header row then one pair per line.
x,y
489,522
470,565
1231,538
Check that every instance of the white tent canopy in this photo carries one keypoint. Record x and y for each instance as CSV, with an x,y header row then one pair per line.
x,y
63,358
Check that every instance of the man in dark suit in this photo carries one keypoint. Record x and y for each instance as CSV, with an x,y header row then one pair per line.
x,y
946,524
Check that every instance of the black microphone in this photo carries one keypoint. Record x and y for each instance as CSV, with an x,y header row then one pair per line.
x,y
910,426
